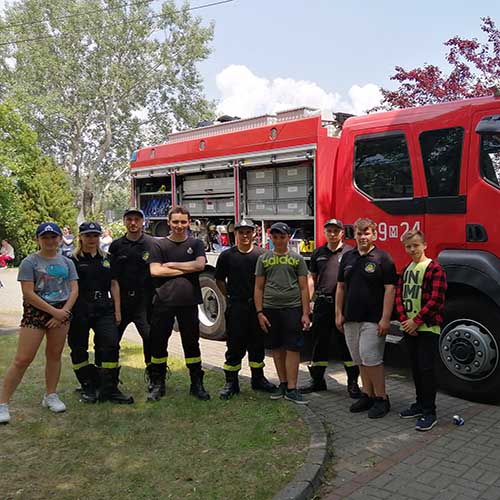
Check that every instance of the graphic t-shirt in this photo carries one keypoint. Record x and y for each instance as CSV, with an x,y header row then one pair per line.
x,y
51,277
413,278
181,290
281,289
239,270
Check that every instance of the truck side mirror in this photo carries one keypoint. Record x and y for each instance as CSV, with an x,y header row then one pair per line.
x,y
488,125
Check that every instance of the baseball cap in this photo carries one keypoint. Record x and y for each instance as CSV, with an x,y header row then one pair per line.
x,y
280,227
334,222
48,227
244,223
134,211
90,227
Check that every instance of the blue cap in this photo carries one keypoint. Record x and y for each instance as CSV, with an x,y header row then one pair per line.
x,y
280,227
48,227
90,227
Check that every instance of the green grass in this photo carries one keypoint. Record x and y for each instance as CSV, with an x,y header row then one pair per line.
x,y
247,448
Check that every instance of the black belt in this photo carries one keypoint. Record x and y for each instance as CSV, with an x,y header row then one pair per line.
x,y
97,294
326,298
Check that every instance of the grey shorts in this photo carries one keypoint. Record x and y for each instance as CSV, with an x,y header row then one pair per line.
x,y
365,346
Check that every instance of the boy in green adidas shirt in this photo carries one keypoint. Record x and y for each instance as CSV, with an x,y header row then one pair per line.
x,y
420,296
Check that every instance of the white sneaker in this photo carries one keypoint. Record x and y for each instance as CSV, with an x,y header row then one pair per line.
x,y
4,413
53,403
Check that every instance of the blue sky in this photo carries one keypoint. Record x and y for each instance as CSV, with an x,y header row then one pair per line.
x,y
268,49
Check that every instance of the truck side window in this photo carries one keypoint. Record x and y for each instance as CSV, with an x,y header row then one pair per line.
x,y
382,166
442,155
489,160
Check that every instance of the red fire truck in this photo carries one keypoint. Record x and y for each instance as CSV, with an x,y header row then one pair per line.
x,y
435,168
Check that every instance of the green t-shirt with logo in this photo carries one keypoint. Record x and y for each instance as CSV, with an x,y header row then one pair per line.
x,y
281,289
413,278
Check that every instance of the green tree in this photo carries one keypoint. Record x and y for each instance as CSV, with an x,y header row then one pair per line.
x,y
95,78
32,188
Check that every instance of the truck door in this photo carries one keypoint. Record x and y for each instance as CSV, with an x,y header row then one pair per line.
x,y
483,184
387,186
444,160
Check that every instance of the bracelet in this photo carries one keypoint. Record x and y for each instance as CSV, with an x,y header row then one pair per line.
x,y
259,312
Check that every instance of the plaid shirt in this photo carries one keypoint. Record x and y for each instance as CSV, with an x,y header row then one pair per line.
x,y
433,293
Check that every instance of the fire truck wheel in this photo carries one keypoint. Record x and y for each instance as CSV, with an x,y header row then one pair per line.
x,y
469,364
211,311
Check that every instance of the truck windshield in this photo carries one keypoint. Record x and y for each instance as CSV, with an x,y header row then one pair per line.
x,y
489,159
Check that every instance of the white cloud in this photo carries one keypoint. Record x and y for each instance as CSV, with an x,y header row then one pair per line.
x,y
245,94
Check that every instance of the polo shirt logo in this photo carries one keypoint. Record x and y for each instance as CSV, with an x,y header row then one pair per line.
x,y
145,255
370,267
189,250
106,264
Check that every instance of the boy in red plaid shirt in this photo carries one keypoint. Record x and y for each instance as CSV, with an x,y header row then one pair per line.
x,y
420,295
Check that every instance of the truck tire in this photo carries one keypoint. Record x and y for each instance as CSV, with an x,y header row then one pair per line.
x,y
211,311
468,362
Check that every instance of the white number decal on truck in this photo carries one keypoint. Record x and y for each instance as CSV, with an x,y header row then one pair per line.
x,y
394,231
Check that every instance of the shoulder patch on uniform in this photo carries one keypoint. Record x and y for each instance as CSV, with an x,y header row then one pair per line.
x,y
370,267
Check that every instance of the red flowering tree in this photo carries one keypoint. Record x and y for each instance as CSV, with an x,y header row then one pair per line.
x,y
475,70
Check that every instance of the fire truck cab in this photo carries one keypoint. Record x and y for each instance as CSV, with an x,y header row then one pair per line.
x,y
434,168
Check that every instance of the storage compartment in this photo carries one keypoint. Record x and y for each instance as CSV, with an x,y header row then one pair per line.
x,y
216,185
155,205
292,207
297,190
260,192
195,207
296,173
261,207
262,176
225,205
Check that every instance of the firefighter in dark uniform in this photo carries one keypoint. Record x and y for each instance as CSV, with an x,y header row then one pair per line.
x,y
175,264
324,269
235,276
129,255
97,308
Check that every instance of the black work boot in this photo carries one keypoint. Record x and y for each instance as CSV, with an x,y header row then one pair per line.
x,y
197,388
260,382
317,382
108,390
362,404
352,381
231,387
157,374
88,378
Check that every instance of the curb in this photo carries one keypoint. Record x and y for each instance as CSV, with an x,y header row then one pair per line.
x,y
308,477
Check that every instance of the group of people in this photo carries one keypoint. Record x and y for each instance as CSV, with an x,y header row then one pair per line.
x,y
153,282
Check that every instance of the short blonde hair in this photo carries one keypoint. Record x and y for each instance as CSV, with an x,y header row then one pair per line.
x,y
411,233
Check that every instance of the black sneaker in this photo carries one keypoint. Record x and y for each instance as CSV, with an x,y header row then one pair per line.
x,y
362,404
296,397
380,408
280,391
414,411
426,423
